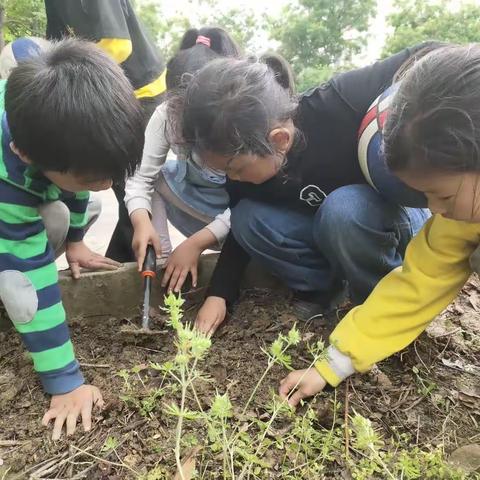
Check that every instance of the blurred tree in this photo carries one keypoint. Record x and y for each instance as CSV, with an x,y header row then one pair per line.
x,y
167,30
415,21
320,36
19,18
244,25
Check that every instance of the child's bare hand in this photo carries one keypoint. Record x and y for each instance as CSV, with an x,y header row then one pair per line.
x,y
143,235
68,407
182,261
80,256
211,315
306,382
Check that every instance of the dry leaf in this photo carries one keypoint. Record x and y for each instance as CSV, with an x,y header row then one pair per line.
x,y
188,466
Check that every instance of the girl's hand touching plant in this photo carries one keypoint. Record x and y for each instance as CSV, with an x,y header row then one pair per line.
x,y
306,383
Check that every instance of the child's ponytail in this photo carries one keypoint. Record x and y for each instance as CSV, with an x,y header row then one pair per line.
x,y
215,38
197,48
189,39
281,69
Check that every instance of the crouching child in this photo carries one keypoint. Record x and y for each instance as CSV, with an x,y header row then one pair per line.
x,y
70,124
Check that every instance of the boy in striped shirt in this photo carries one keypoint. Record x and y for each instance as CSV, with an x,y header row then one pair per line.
x,y
70,124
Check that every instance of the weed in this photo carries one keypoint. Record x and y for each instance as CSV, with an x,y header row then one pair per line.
x,y
111,443
425,387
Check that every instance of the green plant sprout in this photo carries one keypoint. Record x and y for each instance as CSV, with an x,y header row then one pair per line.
x,y
276,354
191,347
111,443
425,387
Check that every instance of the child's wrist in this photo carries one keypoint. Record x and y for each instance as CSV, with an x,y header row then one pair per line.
x,y
202,240
140,218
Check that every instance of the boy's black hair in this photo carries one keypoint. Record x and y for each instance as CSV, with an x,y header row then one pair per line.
x,y
434,119
231,105
71,109
192,56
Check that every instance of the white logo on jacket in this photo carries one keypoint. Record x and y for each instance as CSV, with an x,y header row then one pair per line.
x,y
313,195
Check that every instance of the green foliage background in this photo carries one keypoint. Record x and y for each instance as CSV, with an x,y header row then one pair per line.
x,y
318,37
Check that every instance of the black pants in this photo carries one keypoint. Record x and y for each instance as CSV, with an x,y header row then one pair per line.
x,y
120,247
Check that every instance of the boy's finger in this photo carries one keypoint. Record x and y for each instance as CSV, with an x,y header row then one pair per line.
x,y
87,417
75,269
52,413
97,398
110,261
101,265
72,421
58,425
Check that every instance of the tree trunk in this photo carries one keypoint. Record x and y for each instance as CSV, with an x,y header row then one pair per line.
x,y
2,22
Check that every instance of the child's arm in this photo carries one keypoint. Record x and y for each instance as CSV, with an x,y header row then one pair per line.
x,y
402,305
77,205
30,293
140,187
224,286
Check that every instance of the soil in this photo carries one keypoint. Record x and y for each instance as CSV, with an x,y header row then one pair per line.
x,y
430,391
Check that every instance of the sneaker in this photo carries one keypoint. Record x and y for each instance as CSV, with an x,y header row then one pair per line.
x,y
309,306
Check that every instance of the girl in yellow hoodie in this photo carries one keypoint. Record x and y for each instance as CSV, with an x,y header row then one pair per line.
x,y
432,143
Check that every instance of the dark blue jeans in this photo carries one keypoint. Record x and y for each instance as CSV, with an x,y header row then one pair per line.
x,y
355,235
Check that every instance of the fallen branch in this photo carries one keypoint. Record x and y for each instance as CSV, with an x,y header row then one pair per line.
x,y
11,443
347,408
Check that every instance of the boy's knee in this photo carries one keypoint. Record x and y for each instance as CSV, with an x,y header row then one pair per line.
x,y
94,208
56,218
19,296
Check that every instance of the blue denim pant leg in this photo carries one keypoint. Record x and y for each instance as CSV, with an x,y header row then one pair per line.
x,y
363,236
182,221
281,241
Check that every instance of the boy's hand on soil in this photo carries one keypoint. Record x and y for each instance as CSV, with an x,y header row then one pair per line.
x,y
307,383
182,261
144,234
211,315
80,256
68,407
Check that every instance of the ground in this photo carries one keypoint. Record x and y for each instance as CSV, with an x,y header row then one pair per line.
x,y
427,396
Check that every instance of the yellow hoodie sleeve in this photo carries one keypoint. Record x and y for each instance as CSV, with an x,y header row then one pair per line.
x,y
402,305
